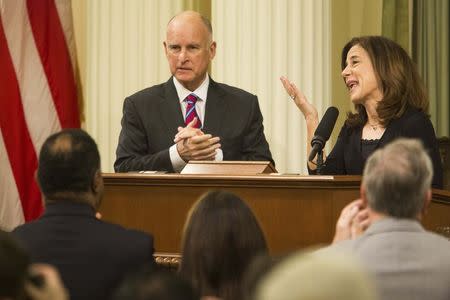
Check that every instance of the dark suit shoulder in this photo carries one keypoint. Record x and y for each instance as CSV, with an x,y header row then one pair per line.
x,y
89,229
233,90
148,93
125,232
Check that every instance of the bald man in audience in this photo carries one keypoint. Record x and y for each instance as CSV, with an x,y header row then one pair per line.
x,y
91,255
383,227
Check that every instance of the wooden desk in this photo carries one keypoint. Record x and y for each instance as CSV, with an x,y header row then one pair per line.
x,y
294,211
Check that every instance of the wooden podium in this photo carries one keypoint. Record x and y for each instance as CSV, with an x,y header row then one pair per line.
x,y
294,211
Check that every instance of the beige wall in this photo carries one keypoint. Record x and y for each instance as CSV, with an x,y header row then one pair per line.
x,y
349,18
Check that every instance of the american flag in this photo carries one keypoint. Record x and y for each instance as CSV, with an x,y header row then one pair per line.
x,y
38,96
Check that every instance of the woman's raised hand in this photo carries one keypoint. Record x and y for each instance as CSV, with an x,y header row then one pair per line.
x,y
307,109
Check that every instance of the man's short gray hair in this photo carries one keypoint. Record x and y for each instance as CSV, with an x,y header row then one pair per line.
x,y
397,178
204,19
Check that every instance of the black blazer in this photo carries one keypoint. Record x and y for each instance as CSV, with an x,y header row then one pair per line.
x,y
151,118
92,256
346,157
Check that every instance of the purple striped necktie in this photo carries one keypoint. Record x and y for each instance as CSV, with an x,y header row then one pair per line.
x,y
191,113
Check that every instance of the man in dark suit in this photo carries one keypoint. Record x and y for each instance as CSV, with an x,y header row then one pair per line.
x,y
407,261
91,255
190,117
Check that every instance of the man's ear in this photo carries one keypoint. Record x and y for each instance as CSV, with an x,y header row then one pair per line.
x,y
363,195
212,50
97,183
426,203
165,48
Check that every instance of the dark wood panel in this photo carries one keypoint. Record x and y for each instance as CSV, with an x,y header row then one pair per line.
x,y
294,211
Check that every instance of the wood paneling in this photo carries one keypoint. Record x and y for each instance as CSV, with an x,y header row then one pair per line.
x,y
294,211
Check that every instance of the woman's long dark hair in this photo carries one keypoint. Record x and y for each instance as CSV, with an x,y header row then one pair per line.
x,y
397,77
221,236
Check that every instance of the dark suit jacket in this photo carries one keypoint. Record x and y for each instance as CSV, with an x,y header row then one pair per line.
x,y
346,157
151,118
92,256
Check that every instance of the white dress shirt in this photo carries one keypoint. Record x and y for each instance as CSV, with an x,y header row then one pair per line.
x,y
201,92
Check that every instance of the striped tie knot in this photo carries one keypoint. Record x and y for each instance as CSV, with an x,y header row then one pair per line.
x,y
191,99
191,113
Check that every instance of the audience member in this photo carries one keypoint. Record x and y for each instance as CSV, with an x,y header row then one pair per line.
x,y
154,284
221,237
19,279
91,255
307,276
383,228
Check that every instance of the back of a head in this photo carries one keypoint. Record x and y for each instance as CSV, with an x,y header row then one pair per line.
x,y
397,178
316,276
14,264
68,162
154,284
221,237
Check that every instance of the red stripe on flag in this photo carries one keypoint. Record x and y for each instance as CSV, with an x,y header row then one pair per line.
x,y
19,146
55,58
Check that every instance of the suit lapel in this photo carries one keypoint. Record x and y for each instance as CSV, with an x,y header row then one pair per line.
x,y
215,109
169,107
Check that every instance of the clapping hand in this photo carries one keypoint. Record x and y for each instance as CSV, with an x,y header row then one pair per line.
x,y
193,144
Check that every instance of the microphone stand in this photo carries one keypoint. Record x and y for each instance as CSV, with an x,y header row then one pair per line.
x,y
319,162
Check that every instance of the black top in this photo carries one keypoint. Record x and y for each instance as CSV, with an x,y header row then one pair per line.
x,y
368,147
347,156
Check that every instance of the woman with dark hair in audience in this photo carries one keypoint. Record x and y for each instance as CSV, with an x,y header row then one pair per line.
x,y
221,237
390,102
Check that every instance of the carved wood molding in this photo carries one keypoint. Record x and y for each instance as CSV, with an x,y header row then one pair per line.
x,y
280,180
168,260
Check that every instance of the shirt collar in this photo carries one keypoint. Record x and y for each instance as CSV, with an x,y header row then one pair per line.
x,y
394,224
65,207
201,92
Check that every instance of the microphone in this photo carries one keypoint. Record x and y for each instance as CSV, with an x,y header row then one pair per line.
x,y
323,131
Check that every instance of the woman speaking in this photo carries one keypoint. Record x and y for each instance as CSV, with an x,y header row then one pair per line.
x,y
390,102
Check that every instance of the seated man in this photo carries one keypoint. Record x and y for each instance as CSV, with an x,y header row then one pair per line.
x,y
211,120
91,255
407,261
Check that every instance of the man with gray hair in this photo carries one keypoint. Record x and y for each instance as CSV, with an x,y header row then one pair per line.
x,y
383,227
